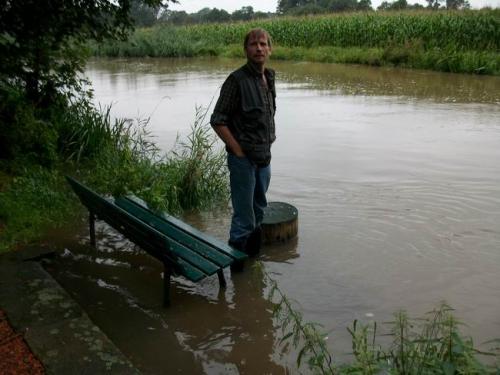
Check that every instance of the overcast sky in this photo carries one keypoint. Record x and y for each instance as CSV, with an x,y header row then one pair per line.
x,y
192,6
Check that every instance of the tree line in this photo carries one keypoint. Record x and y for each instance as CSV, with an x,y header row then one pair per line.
x,y
145,15
332,6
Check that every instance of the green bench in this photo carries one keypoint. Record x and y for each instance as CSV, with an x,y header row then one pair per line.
x,y
182,249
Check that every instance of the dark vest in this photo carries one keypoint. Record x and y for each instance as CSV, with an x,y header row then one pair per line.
x,y
253,124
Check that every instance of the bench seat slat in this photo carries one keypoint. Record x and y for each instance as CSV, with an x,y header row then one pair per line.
x,y
193,258
221,246
209,252
155,245
149,238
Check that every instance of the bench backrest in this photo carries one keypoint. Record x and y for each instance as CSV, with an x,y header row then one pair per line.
x,y
207,246
139,232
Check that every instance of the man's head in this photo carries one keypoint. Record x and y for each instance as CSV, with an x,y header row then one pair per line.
x,y
257,46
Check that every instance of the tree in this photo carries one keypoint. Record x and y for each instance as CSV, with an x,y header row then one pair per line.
x,y
243,14
433,4
396,5
342,5
457,4
175,17
42,41
364,5
260,15
143,14
211,15
286,5
416,6
218,15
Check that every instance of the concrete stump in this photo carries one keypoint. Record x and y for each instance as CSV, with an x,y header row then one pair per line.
x,y
280,223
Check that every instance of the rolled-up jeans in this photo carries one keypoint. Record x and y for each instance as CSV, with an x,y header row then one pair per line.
x,y
249,184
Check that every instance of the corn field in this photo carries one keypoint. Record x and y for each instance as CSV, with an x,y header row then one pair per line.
x,y
462,30
450,41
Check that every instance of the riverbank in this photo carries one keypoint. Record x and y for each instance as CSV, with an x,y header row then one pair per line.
x,y
113,157
460,41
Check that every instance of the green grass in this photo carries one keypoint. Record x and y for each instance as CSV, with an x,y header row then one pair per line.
x,y
190,176
33,201
113,157
459,41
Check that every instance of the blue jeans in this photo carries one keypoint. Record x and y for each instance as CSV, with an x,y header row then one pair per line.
x,y
249,185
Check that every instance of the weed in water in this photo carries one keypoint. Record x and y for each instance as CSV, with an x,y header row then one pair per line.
x,y
429,345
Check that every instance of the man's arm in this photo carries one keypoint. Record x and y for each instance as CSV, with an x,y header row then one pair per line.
x,y
227,137
223,111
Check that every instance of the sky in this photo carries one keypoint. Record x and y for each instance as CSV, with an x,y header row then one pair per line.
x,y
192,6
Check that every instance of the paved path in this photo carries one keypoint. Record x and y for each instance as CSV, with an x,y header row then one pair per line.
x,y
55,327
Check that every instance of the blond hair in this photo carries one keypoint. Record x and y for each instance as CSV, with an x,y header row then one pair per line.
x,y
257,33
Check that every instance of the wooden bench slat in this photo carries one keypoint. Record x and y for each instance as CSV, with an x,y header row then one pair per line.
x,y
149,238
209,252
193,258
209,240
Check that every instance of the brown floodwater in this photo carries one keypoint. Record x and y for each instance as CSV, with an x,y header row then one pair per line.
x,y
396,177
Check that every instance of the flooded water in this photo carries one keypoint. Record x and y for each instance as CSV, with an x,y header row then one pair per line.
x,y
396,177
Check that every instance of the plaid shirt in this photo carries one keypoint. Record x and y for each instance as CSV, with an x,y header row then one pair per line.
x,y
229,100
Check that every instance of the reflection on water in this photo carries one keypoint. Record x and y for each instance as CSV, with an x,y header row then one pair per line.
x,y
333,78
206,330
396,178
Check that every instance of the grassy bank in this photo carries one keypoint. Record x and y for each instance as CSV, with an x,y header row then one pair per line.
x,y
111,156
460,41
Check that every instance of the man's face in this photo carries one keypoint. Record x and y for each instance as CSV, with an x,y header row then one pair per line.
x,y
258,49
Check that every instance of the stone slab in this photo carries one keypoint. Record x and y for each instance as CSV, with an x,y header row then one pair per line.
x,y
55,327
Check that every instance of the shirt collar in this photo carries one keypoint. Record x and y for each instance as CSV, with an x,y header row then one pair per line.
x,y
254,71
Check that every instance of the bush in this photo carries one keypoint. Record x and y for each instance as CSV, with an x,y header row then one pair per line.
x,y
26,132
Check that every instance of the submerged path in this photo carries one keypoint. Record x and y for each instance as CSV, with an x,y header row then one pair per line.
x,y
54,326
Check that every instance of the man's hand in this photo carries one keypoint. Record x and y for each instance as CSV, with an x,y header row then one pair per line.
x,y
227,137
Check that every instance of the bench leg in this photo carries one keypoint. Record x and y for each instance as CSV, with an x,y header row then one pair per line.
x,y
166,285
92,228
222,280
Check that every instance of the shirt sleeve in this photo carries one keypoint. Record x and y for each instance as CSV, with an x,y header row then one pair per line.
x,y
226,104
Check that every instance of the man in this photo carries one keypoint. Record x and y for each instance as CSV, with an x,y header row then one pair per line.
x,y
244,119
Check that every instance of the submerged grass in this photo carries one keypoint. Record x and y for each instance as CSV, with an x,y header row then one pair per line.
x,y
451,41
432,344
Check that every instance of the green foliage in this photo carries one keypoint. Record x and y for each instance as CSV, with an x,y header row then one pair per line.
x,y
114,157
85,132
429,345
143,14
41,49
27,131
192,176
207,15
42,53
203,174
466,42
302,335
33,201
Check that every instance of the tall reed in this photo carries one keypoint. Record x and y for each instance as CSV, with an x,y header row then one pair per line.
x,y
125,159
